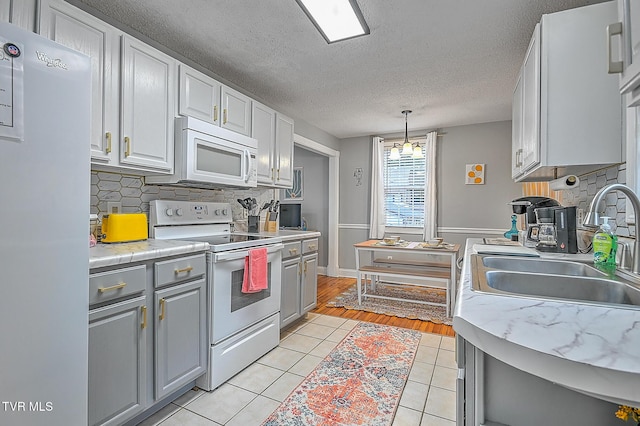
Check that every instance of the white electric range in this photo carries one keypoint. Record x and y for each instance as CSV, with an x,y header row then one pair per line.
x,y
241,326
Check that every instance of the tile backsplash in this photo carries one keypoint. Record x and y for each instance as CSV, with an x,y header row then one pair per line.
x,y
135,195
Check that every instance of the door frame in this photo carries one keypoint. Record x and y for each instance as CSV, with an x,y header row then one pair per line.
x,y
334,194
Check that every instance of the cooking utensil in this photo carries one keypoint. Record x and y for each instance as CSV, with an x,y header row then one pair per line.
x,y
243,203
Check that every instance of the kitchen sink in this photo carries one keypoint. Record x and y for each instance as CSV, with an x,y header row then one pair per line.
x,y
555,280
546,266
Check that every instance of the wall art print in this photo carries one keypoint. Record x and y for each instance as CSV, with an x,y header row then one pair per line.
x,y
475,174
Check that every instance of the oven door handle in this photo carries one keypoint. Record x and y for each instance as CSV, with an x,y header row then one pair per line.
x,y
241,254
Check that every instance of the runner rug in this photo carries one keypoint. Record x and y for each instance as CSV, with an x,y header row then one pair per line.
x,y
435,314
359,383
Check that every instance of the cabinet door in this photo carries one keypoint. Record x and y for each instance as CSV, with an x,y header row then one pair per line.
x,y
516,129
309,282
531,104
236,111
78,30
117,354
23,13
630,80
180,336
284,149
263,128
290,299
199,95
148,106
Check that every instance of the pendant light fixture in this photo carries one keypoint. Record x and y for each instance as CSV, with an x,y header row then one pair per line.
x,y
407,148
395,152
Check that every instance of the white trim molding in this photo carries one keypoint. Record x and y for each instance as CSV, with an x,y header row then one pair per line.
x,y
364,226
451,230
334,196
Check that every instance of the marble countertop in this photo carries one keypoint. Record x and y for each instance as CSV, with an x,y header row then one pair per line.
x,y
121,253
591,349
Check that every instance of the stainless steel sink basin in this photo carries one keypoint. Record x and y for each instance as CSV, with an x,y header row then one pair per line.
x,y
555,280
546,266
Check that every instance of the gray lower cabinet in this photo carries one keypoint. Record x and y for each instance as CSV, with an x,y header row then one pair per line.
x,y
117,361
147,335
299,279
290,303
309,295
180,336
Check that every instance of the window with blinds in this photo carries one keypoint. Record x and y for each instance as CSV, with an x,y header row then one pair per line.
x,y
404,185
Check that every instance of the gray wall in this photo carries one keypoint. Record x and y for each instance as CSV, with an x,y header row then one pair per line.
x,y
459,205
315,196
309,131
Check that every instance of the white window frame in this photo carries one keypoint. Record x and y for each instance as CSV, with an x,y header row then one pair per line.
x,y
388,144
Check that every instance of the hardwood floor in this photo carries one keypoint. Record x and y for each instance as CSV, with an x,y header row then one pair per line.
x,y
329,287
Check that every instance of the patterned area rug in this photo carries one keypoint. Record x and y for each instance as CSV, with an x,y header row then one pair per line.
x,y
435,314
359,383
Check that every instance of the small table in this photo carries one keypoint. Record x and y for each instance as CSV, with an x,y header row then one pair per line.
x,y
383,262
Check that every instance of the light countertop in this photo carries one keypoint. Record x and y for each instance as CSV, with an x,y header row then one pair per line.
x,y
588,348
121,253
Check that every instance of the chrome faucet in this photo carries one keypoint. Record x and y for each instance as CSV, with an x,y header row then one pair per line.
x,y
592,219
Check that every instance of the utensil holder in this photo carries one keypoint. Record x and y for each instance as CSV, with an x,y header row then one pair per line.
x,y
253,223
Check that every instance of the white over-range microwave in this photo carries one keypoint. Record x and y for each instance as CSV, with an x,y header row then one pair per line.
x,y
208,156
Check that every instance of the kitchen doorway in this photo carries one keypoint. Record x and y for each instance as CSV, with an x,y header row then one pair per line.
x,y
332,197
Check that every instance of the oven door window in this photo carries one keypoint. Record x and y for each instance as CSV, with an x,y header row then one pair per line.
x,y
241,300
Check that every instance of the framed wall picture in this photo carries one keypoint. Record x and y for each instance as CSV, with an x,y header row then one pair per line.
x,y
297,191
474,174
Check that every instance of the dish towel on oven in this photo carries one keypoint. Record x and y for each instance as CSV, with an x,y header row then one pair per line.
x,y
255,271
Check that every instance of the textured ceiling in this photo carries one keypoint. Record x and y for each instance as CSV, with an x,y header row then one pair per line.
x,y
452,62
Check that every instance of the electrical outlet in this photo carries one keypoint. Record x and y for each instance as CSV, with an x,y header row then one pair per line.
x,y
114,207
245,213
580,216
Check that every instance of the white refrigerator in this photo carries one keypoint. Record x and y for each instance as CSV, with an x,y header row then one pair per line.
x,y
44,234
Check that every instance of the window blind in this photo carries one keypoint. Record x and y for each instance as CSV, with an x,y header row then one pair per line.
x,y
404,190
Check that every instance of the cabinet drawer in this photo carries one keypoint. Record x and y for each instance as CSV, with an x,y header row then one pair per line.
x,y
291,249
309,246
174,270
117,283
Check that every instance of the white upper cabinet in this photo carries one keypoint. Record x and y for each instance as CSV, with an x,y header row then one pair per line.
x,y
23,13
203,97
274,133
149,80
627,26
284,148
133,92
263,128
236,111
73,28
526,110
567,110
199,95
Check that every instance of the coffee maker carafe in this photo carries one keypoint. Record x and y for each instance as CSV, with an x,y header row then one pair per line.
x,y
555,230
527,206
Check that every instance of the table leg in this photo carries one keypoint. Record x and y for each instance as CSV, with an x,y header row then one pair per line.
x,y
358,282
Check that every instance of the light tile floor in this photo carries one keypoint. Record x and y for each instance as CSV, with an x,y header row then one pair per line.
x,y
247,399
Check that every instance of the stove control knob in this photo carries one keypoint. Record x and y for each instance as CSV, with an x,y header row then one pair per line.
x,y
217,212
225,212
179,212
168,212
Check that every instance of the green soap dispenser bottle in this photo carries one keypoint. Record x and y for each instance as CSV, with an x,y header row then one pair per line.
x,y
605,245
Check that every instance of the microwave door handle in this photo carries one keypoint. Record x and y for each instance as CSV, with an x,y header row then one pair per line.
x,y
247,157
241,254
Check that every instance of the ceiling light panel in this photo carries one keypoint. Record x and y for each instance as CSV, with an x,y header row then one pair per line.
x,y
335,19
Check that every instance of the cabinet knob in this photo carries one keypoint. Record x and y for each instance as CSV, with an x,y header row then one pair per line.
x,y
224,116
143,312
162,305
615,67
113,287
127,146
187,269
108,149
215,113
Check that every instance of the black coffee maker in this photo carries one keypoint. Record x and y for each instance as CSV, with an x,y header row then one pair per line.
x,y
555,230
528,206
